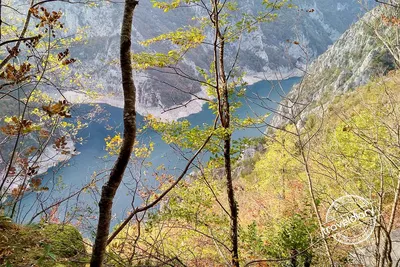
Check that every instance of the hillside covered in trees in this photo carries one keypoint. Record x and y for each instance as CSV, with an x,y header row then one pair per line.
x,y
199,133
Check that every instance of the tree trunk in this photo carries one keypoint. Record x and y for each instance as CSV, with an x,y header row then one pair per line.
x,y
232,203
224,113
110,188
227,162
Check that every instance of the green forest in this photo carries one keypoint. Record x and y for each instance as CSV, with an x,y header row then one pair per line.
x,y
199,133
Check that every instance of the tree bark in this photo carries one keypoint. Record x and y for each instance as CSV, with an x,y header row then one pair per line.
x,y
227,160
110,188
232,203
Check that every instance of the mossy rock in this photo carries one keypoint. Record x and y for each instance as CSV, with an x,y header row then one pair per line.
x,y
41,245
65,240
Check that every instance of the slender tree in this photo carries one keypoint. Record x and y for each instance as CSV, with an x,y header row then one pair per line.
x,y
117,173
225,118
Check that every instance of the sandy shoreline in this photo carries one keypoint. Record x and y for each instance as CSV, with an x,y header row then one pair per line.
x,y
175,112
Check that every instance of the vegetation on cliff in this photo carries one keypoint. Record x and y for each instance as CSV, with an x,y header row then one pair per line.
x,y
45,245
352,151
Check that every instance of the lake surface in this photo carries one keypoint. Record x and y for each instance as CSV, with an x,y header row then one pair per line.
x,y
78,171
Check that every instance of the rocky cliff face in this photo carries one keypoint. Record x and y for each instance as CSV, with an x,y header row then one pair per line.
x,y
355,58
265,52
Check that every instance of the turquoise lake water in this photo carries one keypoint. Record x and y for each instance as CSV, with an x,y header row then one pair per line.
x,y
260,97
